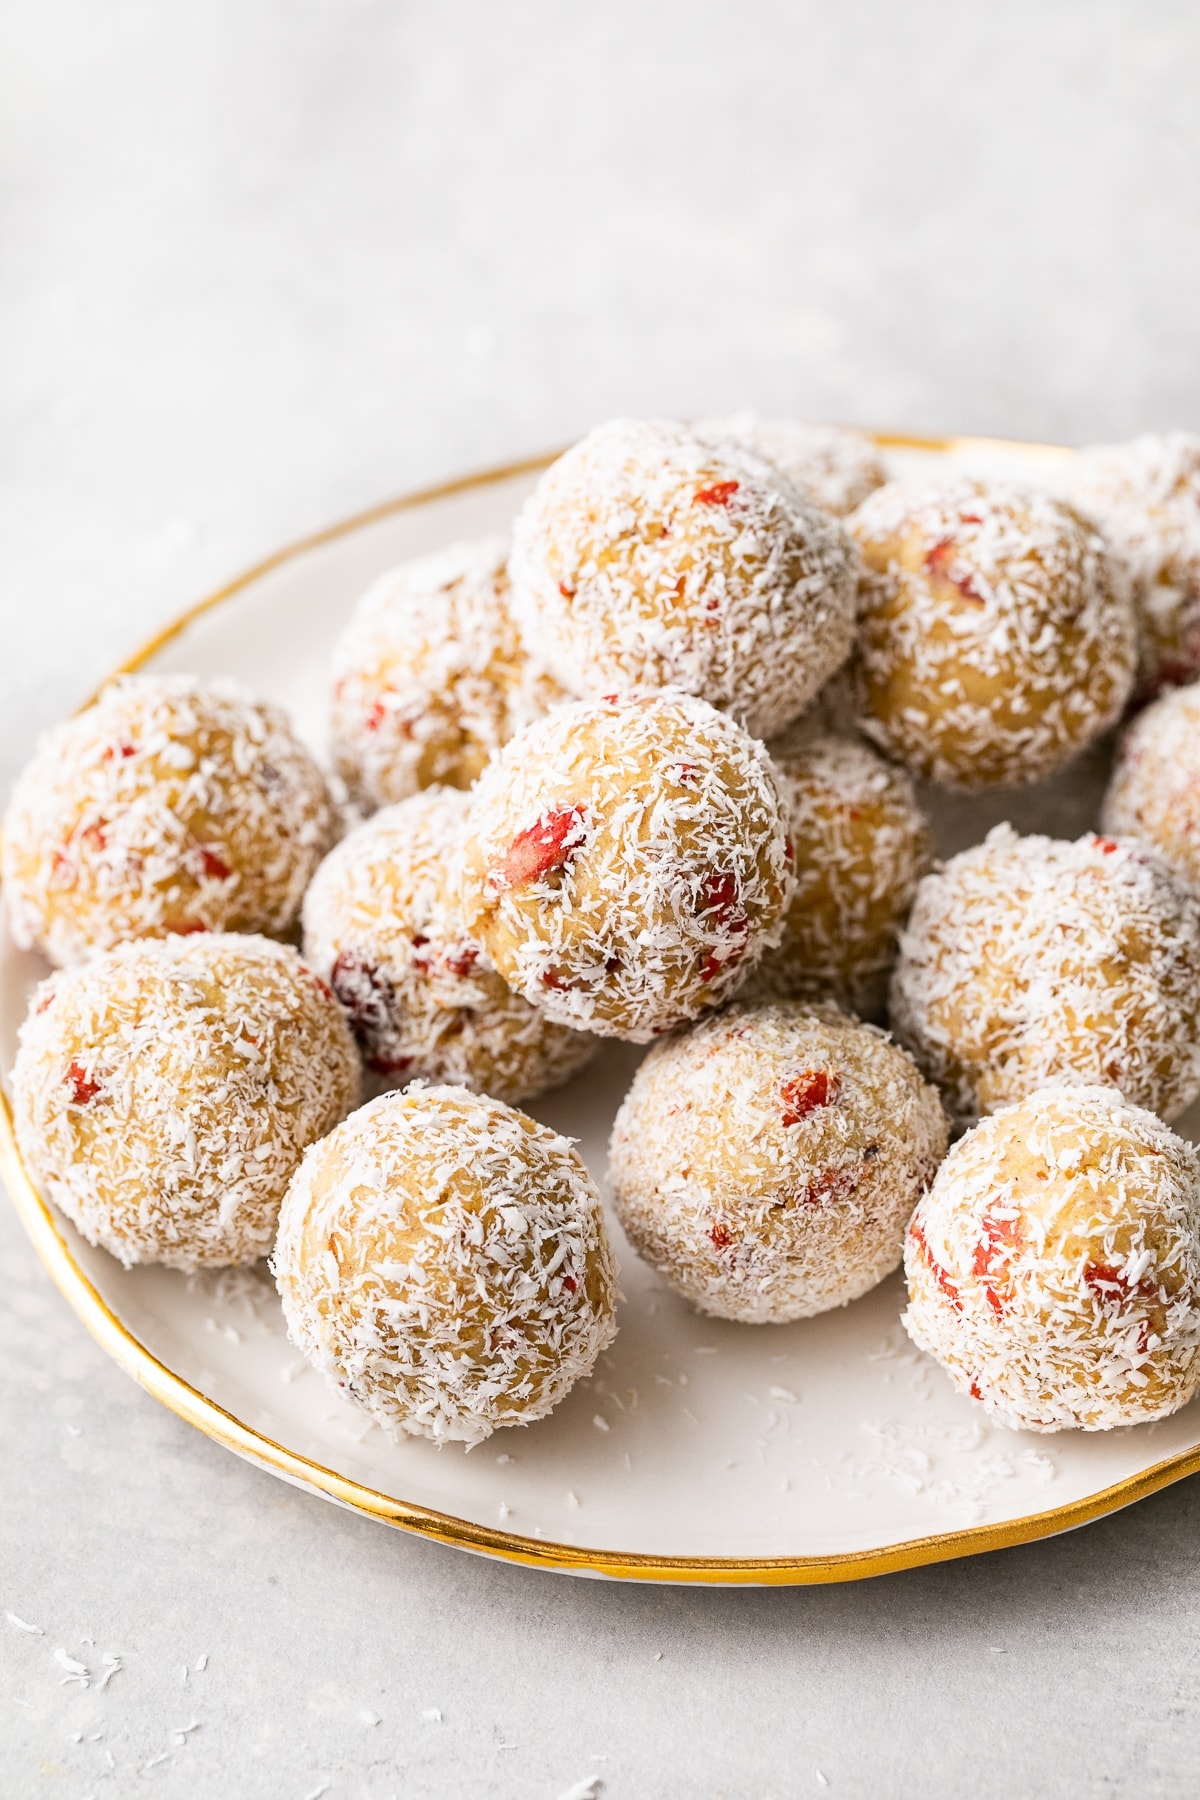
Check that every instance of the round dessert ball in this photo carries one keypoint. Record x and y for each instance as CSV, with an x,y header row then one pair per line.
x,y
431,676
1154,794
1146,495
1029,959
836,466
1054,1265
626,862
165,1091
648,557
170,805
997,636
443,1261
421,996
861,845
767,1160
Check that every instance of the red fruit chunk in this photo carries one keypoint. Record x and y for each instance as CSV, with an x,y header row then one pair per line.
x,y
719,494
189,927
552,978
939,561
719,896
214,866
461,962
568,593
804,1093
543,847
1106,845
375,716
322,986
364,993
83,1088
832,1184
115,751
974,1391
389,1065
1108,1283
998,1236
916,1233
570,1283
720,1236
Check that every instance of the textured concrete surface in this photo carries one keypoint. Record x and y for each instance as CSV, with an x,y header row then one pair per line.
x,y
267,262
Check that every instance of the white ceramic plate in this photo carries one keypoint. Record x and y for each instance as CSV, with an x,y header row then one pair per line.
x,y
700,1450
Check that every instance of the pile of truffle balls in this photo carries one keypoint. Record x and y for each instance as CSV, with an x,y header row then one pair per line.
x,y
647,772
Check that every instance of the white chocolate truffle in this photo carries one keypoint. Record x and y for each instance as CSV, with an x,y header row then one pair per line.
x,y
443,1260
1029,959
836,466
431,676
421,996
648,558
1146,496
1054,1265
996,634
861,844
165,1091
626,862
767,1160
169,805
1154,794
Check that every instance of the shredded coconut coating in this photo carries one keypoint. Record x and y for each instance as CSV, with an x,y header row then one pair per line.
x,y
647,557
861,845
836,466
1054,1265
431,676
169,805
165,1092
767,1161
1154,794
421,996
997,636
443,1261
1029,959
1146,496
626,862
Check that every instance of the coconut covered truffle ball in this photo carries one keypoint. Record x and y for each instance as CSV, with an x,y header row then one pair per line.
x,y
626,862
1154,794
997,637
1029,959
443,1261
169,805
836,466
165,1091
421,997
767,1160
861,845
1146,495
431,676
648,557
1054,1265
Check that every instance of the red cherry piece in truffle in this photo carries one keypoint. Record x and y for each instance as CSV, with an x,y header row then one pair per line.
x,y
805,1092
215,867
935,1268
542,847
83,1088
719,494
940,561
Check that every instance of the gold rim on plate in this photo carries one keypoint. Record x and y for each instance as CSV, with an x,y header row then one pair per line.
x,y
189,1404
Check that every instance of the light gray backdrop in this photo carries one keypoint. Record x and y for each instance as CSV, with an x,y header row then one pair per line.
x,y
266,261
